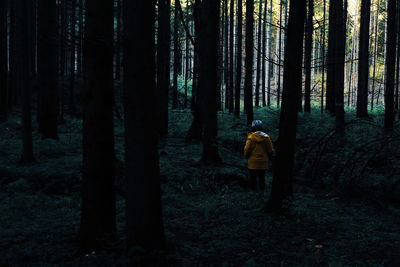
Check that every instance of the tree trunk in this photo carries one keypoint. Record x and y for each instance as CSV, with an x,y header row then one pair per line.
x,y
231,58
375,55
259,49
271,65
278,85
98,215
24,76
47,68
323,56
363,58
3,62
226,53
238,81
144,224
308,55
208,78
264,54
339,54
176,58
390,64
163,63
249,50
292,83
330,83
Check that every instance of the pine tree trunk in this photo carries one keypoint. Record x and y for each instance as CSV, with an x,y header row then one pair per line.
x,y
163,62
292,83
331,60
390,64
264,54
271,65
72,58
208,78
339,54
144,224
176,58
249,50
278,85
323,57
98,215
226,54
308,55
375,55
231,56
363,57
238,81
47,68
23,67
3,62
259,49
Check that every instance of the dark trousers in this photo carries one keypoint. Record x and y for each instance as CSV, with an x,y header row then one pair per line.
x,y
257,177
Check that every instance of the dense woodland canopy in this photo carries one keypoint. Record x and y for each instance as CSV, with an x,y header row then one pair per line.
x,y
136,64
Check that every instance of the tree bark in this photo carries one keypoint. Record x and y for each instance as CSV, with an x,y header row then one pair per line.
x,y
98,215
259,49
176,58
48,68
3,62
292,83
249,50
163,63
144,224
238,81
363,57
308,56
390,64
231,56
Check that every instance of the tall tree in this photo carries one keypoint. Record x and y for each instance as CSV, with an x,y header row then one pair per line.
x,y
208,78
264,54
231,58
3,62
176,57
98,220
339,58
144,224
292,83
331,59
363,59
238,82
72,58
249,50
48,68
23,71
308,56
163,62
259,49
271,65
390,64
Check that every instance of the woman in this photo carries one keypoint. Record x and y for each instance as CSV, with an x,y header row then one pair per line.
x,y
258,151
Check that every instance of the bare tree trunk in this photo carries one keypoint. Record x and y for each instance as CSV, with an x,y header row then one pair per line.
x,y
259,49
249,50
264,54
231,56
308,56
3,62
238,58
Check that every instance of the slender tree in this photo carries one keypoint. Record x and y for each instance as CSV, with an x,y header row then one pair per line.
x,y
163,62
208,79
3,62
308,56
331,60
270,42
98,221
238,82
292,83
48,68
249,50
176,57
390,64
231,56
363,58
264,54
259,49
144,224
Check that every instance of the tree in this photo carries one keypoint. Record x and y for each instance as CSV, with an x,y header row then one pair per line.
x,y
259,54
292,83
98,220
163,62
330,79
390,64
208,77
23,68
231,58
339,58
238,81
144,224
264,53
3,62
176,57
308,56
249,50
363,65
47,68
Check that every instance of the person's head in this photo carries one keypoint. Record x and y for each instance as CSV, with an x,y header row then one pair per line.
x,y
257,125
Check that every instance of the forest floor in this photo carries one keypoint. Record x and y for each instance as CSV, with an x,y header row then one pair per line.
x,y
211,217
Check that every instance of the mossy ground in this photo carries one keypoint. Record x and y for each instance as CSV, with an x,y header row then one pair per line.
x,y
346,198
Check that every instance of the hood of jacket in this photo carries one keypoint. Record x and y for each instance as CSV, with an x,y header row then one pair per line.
x,y
258,136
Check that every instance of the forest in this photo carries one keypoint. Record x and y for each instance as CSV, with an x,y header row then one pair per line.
x,y
199,133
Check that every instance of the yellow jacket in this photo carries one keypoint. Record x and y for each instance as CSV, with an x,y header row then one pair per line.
x,y
257,150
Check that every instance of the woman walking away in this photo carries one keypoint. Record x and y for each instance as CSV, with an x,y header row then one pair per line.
x,y
258,151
